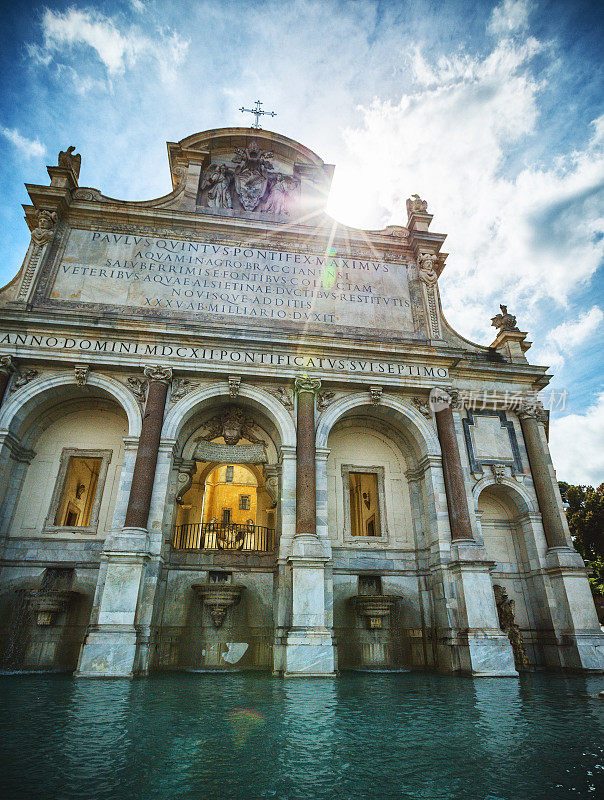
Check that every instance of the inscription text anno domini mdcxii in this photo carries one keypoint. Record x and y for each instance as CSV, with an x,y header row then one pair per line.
x,y
194,277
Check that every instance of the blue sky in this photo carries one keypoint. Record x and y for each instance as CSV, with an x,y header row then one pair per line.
x,y
492,111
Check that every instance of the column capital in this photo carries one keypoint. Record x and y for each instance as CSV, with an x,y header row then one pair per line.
x,y
158,373
304,383
442,398
533,409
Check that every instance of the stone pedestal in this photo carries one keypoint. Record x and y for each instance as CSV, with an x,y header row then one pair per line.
x,y
112,642
309,647
483,649
575,617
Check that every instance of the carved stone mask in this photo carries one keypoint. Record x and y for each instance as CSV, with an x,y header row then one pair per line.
x,y
232,425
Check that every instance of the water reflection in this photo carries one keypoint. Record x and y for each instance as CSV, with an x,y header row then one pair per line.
x,y
251,736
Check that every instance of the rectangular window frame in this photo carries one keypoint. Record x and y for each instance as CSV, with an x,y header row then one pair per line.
x,y
92,528
367,541
245,501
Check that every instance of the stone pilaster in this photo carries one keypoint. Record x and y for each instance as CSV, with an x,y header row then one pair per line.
x,y
113,641
309,648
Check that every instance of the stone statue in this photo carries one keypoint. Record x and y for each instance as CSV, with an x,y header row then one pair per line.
x,y
324,399
507,623
232,425
44,232
427,271
217,183
415,203
71,160
280,195
251,174
504,321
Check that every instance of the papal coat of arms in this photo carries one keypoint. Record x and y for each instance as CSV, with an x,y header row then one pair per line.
x,y
249,183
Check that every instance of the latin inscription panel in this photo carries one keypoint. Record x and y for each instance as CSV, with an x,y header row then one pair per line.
x,y
205,280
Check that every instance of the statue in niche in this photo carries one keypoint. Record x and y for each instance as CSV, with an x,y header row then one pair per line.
x,y
71,160
217,184
251,174
232,425
504,321
507,623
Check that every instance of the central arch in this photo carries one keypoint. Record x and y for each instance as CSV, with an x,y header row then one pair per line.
x,y
201,398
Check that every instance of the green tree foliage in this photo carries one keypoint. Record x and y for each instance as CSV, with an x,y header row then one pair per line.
x,y
585,515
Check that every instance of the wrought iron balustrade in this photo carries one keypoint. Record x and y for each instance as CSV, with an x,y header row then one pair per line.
x,y
218,536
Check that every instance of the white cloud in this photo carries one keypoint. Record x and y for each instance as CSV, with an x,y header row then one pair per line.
x,y
137,5
117,49
32,148
509,17
577,445
570,335
564,339
514,238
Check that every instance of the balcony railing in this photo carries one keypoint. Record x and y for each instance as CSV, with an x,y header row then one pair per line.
x,y
216,536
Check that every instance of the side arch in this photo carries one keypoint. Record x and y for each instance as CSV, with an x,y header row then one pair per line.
x,y
419,432
516,493
25,400
258,398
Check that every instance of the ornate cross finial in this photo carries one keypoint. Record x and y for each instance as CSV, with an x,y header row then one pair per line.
x,y
258,112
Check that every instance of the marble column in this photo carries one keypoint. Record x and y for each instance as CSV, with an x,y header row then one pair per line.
x,y
113,642
6,369
309,647
546,488
455,487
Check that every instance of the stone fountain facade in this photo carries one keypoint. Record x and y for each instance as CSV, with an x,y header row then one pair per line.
x,y
233,322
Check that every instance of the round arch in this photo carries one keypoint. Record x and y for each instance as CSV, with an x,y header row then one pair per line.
x,y
47,387
202,397
421,434
516,493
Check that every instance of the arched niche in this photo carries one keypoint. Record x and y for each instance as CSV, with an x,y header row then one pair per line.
x,y
509,526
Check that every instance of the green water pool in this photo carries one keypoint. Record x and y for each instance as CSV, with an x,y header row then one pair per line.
x,y
243,735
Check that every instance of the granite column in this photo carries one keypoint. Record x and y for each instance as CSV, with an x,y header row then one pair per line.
x,y
141,489
455,488
552,516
